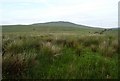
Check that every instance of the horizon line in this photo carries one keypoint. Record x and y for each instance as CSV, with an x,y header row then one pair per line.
x,y
58,21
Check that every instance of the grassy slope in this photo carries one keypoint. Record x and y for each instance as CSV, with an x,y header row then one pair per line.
x,y
57,55
52,26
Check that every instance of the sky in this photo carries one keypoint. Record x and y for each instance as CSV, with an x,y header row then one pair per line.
x,y
96,13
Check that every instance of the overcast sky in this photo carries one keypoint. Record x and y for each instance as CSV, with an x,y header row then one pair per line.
x,y
101,13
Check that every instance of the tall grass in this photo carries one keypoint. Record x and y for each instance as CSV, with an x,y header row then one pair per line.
x,y
47,57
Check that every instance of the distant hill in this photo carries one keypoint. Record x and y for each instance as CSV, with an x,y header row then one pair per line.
x,y
58,26
58,23
61,24
54,24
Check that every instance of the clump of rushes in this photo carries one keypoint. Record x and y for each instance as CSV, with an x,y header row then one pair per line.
x,y
23,45
110,52
114,44
61,42
72,43
90,40
94,48
69,42
106,49
103,48
16,66
79,50
5,44
49,48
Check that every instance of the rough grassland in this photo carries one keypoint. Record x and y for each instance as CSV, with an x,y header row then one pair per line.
x,y
59,53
